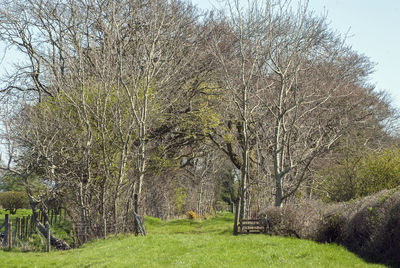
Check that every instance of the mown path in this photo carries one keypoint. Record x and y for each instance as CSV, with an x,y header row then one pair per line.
x,y
185,243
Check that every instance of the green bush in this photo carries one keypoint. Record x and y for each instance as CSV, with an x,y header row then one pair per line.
x,y
10,182
180,199
360,175
12,201
379,171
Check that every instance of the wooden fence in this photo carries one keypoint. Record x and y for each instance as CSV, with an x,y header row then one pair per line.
x,y
14,230
85,232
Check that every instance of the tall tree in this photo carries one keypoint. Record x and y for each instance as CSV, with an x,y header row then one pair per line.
x,y
294,84
237,45
107,74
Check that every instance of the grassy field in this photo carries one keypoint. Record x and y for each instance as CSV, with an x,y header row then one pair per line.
x,y
20,213
186,243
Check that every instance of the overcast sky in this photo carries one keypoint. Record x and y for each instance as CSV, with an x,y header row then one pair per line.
x,y
374,30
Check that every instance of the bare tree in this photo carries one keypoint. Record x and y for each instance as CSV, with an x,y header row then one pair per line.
x,y
296,87
310,73
237,44
113,71
25,164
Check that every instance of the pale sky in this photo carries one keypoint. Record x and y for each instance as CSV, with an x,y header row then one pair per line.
x,y
374,31
373,27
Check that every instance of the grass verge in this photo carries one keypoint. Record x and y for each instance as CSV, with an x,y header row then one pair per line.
x,y
186,243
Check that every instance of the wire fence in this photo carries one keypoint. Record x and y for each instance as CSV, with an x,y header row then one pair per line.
x,y
12,231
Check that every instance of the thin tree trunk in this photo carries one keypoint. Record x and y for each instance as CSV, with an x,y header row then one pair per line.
x,y
54,241
83,211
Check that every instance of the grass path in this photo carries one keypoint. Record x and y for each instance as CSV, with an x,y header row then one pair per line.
x,y
185,243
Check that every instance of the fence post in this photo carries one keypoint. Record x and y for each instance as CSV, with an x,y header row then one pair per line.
x,y
74,235
16,227
21,227
9,235
5,241
14,234
135,209
105,228
51,216
235,225
48,244
26,226
32,226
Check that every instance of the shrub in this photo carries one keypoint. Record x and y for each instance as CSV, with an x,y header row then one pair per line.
x,y
368,226
380,170
361,175
12,201
180,199
300,220
191,215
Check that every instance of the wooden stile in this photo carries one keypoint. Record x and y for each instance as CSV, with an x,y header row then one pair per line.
x,y
252,226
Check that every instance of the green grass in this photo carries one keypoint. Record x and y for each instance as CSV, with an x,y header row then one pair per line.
x,y
20,213
36,242
185,243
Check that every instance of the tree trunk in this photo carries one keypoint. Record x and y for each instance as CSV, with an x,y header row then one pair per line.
x,y
54,241
278,192
83,211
